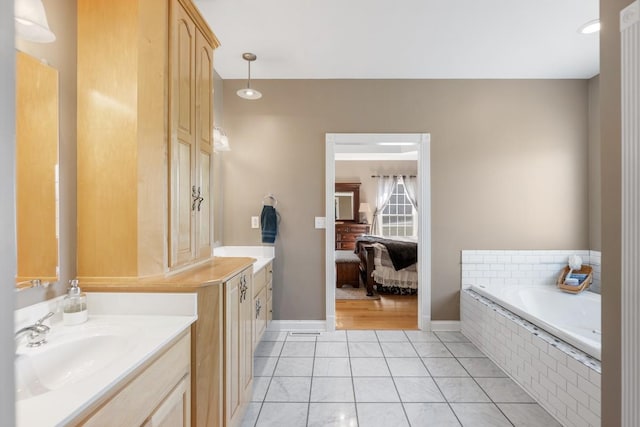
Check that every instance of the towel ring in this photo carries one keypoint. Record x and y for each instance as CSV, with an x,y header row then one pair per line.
x,y
269,198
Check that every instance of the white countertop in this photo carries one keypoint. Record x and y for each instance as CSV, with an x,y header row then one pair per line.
x,y
133,339
262,254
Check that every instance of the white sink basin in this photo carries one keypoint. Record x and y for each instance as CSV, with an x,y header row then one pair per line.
x,y
64,380
52,366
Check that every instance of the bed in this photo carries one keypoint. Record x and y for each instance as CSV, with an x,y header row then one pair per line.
x,y
389,265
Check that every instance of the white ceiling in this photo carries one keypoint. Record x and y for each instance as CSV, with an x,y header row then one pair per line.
x,y
404,39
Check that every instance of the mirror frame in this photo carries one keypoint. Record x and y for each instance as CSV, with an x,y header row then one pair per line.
x,y
354,188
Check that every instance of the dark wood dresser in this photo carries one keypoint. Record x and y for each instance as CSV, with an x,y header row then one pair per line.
x,y
347,232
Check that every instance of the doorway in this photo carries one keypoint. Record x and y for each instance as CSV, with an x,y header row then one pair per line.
x,y
379,144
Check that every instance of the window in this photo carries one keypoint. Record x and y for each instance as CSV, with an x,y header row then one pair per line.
x,y
398,217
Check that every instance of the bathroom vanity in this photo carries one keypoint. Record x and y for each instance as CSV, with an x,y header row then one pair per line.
x,y
129,364
222,351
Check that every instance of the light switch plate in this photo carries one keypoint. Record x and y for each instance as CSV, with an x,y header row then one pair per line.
x,y
321,222
255,222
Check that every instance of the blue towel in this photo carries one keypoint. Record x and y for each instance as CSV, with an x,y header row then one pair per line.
x,y
269,224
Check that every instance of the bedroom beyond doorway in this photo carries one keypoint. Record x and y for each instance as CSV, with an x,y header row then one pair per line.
x,y
401,160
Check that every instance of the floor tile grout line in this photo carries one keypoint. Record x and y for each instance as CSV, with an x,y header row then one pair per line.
x,y
436,383
481,388
353,385
264,398
313,366
422,359
404,410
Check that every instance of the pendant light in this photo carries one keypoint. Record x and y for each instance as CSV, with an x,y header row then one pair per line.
x,y
248,93
31,21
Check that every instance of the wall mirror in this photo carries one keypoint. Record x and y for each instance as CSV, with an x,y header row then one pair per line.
x,y
37,114
347,201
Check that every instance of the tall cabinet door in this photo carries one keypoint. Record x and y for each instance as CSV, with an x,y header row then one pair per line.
x,y
232,348
182,147
204,136
238,346
246,334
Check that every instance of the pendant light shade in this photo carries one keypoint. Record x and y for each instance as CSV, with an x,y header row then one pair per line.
x,y
220,140
31,21
248,92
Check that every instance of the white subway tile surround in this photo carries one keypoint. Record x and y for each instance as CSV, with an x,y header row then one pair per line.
x,y
562,379
486,267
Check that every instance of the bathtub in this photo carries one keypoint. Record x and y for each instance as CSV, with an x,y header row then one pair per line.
x,y
574,319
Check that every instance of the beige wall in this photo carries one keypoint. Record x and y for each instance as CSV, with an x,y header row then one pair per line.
x,y
595,192
611,207
361,171
508,166
218,178
61,54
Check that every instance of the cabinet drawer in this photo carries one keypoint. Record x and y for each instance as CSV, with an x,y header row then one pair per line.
x,y
259,280
133,404
347,237
355,228
269,269
346,245
260,309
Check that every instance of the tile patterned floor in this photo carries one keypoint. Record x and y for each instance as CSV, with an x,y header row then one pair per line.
x,y
383,378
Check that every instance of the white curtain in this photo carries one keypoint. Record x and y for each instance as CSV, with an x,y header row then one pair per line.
x,y
385,189
411,186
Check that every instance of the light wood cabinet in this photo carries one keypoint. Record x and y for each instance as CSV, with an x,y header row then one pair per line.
x,y
142,132
191,132
207,359
238,346
262,312
159,395
222,319
174,410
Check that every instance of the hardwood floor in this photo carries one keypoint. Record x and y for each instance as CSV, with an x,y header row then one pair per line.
x,y
390,312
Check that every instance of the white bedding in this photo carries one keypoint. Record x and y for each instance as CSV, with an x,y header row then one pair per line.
x,y
386,275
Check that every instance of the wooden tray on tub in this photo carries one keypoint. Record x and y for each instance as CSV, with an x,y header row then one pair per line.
x,y
586,269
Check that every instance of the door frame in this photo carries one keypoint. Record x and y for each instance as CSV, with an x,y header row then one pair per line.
x,y
423,143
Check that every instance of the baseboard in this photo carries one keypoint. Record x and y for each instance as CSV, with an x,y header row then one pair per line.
x,y
445,325
297,325
321,325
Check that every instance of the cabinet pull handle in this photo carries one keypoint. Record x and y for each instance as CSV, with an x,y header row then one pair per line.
x,y
195,194
258,308
200,199
243,288
243,292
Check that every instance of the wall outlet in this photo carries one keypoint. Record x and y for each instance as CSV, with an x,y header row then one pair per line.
x,y
255,222
321,222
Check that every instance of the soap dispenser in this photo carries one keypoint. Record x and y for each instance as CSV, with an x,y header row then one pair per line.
x,y
74,309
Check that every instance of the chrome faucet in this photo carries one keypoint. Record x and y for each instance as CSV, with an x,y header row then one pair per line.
x,y
38,332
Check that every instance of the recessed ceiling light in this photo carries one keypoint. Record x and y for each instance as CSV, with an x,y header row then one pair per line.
x,y
590,27
396,143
